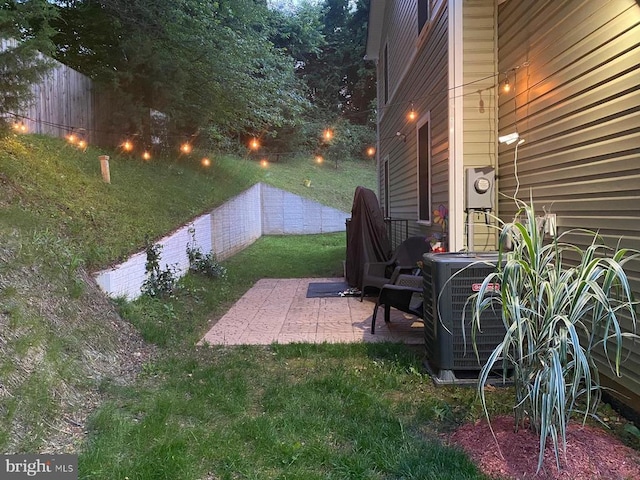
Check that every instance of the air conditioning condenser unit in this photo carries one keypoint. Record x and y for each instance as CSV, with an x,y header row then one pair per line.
x,y
449,280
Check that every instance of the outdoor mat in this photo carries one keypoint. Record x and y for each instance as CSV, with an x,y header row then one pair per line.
x,y
331,289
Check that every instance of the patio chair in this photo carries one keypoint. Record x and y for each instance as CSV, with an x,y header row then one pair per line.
x,y
404,261
405,295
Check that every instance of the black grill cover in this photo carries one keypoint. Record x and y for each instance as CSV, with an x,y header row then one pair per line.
x,y
367,237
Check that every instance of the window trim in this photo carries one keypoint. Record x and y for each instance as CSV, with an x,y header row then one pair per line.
x,y
385,73
424,120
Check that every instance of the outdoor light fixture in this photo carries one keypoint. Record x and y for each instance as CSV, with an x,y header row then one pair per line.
x,y
412,114
511,138
20,127
506,88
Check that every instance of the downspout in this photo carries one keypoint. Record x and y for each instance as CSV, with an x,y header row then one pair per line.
x,y
456,145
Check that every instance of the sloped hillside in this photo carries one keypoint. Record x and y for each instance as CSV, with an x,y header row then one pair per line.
x,y
61,341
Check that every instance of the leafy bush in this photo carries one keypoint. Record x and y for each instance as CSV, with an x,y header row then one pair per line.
x,y
204,263
559,305
159,282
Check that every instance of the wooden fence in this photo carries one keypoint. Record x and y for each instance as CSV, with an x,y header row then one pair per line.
x,y
66,101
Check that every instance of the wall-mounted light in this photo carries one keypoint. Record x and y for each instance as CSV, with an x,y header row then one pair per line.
x,y
511,138
506,86
401,136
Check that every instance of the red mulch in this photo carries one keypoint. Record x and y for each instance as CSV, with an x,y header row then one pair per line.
x,y
591,453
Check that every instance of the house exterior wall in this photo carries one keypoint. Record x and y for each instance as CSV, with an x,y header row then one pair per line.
x,y
479,108
575,66
417,77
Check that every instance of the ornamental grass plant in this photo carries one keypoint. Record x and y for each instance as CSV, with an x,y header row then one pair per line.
x,y
562,306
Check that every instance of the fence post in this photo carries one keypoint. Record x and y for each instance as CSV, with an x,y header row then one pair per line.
x,y
104,168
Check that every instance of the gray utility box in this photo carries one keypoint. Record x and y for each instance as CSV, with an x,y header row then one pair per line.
x,y
480,188
449,280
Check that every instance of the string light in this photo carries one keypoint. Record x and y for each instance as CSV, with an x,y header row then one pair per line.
x,y
127,146
328,134
205,162
264,163
185,148
20,127
72,139
371,151
146,155
254,144
82,144
412,115
319,159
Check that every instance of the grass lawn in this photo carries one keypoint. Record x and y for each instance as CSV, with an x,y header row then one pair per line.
x,y
196,413
302,411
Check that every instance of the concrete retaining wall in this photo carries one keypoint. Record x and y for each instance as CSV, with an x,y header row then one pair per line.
x,y
261,210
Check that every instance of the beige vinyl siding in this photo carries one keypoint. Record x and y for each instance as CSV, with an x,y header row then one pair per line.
x,y
421,76
480,123
577,104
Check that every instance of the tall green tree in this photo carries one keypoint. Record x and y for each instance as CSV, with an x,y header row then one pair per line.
x,y
339,80
25,33
210,66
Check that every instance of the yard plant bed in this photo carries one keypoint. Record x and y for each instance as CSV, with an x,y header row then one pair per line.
x,y
592,453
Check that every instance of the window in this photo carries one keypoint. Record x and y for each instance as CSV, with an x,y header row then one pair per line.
x,y
424,14
386,187
424,171
385,73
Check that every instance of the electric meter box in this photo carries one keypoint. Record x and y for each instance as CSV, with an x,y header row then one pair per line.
x,y
480,188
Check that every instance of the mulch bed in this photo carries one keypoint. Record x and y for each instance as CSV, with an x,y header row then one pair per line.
x,y
592,453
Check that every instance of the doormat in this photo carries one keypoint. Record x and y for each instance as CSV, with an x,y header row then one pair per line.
x,y
331,289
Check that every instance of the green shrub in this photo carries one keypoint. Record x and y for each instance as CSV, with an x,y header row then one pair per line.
x,y
159,282
203,263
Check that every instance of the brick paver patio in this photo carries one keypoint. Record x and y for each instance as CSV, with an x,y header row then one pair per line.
x,y
277,311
